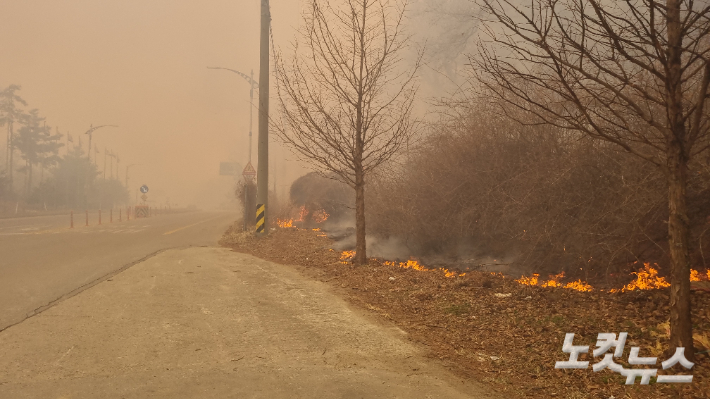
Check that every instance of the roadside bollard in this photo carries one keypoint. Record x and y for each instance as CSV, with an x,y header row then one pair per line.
x,y
99,216
87,218
72,220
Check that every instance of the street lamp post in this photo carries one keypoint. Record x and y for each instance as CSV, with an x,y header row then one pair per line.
x,y
90,132
252,85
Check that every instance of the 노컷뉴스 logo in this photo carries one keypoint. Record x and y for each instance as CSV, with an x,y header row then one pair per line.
x,y
605,341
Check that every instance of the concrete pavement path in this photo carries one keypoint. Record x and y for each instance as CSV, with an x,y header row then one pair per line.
x,y
206,322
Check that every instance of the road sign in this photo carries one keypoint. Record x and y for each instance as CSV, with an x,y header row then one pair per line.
x,y
249,173
144,197
229,168
144,189
142,211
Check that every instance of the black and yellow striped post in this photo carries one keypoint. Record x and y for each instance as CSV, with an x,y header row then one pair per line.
x,y
260,212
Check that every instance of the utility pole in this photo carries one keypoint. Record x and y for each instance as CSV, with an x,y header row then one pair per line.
x,y
262,172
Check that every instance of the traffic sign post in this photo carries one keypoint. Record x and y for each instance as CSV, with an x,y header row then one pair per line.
x,y
249,173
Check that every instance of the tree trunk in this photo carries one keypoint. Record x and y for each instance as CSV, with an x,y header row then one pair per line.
x,y
11,149
360,246
7,147
29,178
677,172
678,240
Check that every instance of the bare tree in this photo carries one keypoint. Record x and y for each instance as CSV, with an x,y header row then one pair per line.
x,y
346,105
634,73
10,114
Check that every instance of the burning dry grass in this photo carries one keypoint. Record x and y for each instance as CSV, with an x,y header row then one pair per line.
x,y
284,224
415,265
320,216
317,216
347,256
554,281
697,276
646,279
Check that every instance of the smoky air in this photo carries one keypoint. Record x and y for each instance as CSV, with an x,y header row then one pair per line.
x,y
355,198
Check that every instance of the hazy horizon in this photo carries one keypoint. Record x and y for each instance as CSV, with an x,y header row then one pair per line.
x,y
143,66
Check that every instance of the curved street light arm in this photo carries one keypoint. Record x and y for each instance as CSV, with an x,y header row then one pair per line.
x,y
89,132
246,77
92,129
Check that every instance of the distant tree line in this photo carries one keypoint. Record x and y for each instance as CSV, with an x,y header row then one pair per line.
x,y
67,180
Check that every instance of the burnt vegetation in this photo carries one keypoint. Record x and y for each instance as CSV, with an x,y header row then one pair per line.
x,y
321,199
483,185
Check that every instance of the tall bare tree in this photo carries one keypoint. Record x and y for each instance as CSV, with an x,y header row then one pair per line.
x,y
633,73
346,101
9,114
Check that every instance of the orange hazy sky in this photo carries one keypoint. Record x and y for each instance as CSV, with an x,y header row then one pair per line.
x,y
142,65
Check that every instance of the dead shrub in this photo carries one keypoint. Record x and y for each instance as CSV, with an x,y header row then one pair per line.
x,y
549,200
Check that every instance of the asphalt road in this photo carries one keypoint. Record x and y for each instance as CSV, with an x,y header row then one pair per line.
x,y
43,260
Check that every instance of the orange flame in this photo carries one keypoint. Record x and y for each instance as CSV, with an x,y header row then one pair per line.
x,y
579,285
302,214
694,275
448,273
697,276
646,279
320,216
346,255
414,264
284,223
528,280
554,281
